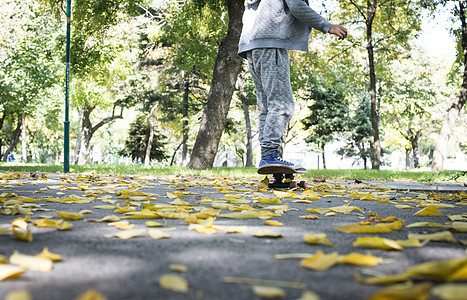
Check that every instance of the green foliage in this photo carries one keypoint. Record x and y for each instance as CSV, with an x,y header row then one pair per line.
x,y
358,135
329,115
136,143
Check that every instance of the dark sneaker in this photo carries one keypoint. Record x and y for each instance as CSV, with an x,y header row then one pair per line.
x,y
275,159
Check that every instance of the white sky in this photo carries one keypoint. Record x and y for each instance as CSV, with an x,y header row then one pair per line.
x,y
435,36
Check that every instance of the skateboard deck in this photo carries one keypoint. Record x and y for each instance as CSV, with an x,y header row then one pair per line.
x,y
283,176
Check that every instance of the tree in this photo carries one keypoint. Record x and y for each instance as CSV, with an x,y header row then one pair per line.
x,y
456,106
226,70
138,136
358,133
386,23
28,67
329,115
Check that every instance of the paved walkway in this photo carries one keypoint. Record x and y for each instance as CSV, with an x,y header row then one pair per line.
x,y
220,257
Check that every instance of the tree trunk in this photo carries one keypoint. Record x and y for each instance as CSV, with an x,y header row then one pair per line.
x,y
324,156
24,152
14,138
226,70
249,137
374,102
87,131
185,123
416,149
407,158
152,124
449,123
86,135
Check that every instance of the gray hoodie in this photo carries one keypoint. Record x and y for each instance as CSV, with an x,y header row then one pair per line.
x,y
283,24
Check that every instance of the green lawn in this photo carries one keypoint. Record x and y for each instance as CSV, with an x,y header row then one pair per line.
x,y
413,175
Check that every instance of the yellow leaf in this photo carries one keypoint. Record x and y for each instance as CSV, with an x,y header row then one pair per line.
x,y
178,268
19,295
345,209
382,279
23,235
47,223
404,292
31,262
241,215
91,294
430,210
450,291
122,225
153,224
69,216
309,295
237,229
267,233
128,234
403,206
378,228
459,226
282,195
49,255
320,261
443,236
360,259
104,207
310,217
174,283
20,223
268,292
377,242
64,226
158,234
270,201
273,223
424,224
10,271
316,238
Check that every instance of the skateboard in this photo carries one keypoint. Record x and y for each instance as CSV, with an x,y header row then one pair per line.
x,y
283,176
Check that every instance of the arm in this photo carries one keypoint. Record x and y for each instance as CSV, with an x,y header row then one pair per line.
x,y
303,12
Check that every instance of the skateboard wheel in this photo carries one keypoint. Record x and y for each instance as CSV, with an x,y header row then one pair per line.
x,y
302,184
293,184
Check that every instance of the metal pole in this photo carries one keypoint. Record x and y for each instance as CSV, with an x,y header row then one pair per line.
x,y
66,139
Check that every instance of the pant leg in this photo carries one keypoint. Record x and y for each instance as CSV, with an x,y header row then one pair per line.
x,y
270,71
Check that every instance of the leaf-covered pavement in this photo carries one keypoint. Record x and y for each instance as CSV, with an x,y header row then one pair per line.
x,y
180,237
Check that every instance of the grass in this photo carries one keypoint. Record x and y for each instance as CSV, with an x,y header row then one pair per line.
x,y
349,174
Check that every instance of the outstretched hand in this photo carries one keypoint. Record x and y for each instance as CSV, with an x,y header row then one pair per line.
x,y
338,30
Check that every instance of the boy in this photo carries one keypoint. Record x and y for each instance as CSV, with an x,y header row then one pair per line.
x,y
270,29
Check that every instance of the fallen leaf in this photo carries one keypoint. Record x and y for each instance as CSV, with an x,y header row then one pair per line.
x,y
10,271
320,261
459,226
316,238
174,283
266,292
69,216
430,210
273,223
23,235
49,255
360,260
241,215
450,291
443,236
91,294
122,225
19,295
378,228
128,234
178,268
31,262
308,295
267,233
377,242
404,292
237,229
158,234
153,224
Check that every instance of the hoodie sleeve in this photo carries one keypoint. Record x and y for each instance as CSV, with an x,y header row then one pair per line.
x,y
302,11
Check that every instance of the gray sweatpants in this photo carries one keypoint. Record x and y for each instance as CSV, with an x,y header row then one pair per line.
x,y
269,68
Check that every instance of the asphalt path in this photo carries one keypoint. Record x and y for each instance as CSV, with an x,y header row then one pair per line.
x,y
220,265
